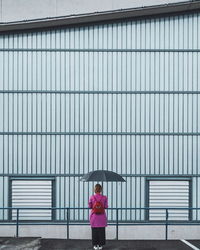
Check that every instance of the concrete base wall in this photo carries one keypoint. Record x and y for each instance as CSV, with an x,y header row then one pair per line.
x,y
184,232
138,232
141,232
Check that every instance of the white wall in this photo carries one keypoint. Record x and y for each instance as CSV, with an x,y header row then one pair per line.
x,y
12,10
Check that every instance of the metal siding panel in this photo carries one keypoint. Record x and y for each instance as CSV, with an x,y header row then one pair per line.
x,y
196,199
2,197
99,71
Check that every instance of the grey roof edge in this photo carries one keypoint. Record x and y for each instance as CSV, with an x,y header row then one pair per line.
x,y
106,16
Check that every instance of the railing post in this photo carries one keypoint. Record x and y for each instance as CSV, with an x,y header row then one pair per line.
x,y
17,223
166,225
67,223
117,225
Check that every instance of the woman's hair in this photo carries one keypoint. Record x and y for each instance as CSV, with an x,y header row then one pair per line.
x,y
97,188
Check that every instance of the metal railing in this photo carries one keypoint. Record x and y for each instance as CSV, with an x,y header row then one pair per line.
x,y
15,220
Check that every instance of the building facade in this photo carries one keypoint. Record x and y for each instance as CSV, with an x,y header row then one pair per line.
x,y
119,95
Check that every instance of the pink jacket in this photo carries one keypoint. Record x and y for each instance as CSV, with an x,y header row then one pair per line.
x,y
98,220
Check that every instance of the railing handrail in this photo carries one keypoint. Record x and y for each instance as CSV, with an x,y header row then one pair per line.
x,y
165,222
110,208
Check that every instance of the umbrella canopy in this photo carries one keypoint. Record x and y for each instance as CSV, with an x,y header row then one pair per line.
x,y
102,175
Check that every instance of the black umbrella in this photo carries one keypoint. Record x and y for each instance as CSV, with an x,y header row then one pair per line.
x,y
102,175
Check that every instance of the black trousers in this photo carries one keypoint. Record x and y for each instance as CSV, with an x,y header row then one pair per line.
x,y
98,236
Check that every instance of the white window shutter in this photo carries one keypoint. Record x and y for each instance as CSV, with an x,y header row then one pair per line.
x,y
32,193
165,194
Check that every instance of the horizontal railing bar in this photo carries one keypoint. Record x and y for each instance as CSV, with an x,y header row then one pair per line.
x,y
113,208
106,92
118,223
152,176
142,223
106,133
94,50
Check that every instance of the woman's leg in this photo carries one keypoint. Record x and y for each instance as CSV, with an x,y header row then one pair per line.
x,y
95,236
102,236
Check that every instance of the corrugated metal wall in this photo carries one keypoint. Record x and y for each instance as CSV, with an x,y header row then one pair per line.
x,y
122,97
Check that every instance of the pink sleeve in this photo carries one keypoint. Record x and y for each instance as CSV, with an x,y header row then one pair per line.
x,y
106,202
90,202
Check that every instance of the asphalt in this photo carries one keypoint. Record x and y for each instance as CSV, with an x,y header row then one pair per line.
x,y
115,245
60,244
20,243
195,243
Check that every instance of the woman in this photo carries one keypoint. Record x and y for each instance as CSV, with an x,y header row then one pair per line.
x,y
98,219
